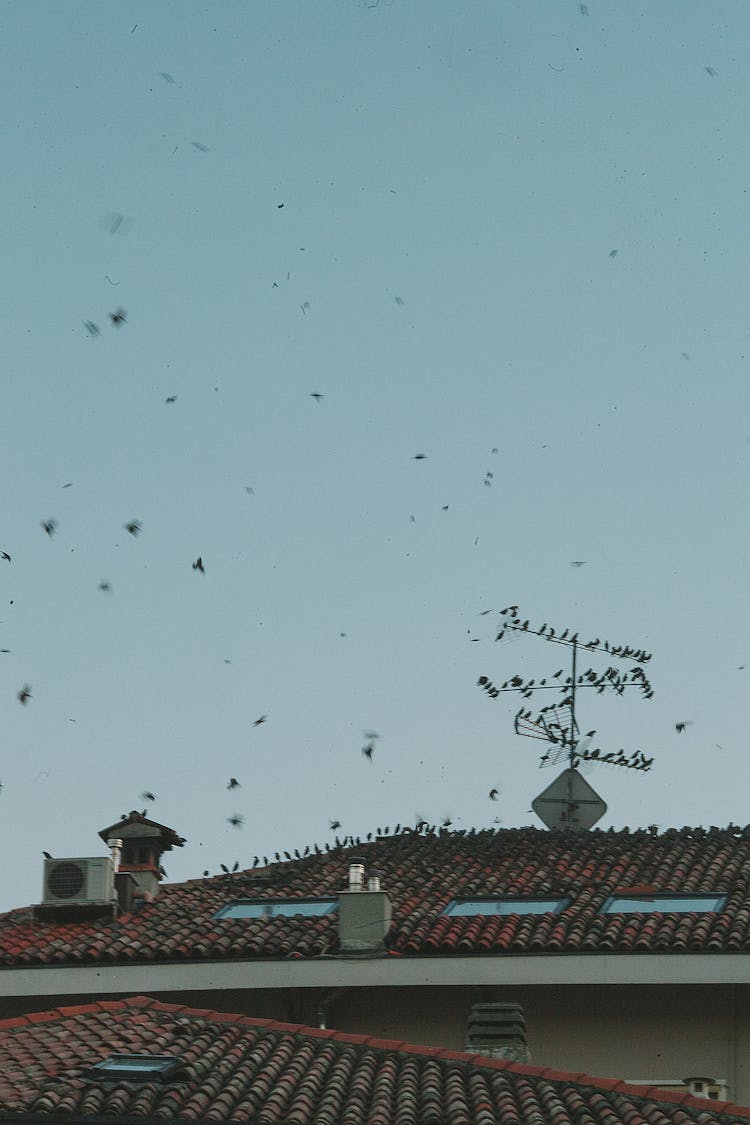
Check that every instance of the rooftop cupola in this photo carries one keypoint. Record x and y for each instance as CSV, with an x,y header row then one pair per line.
x,y
143,843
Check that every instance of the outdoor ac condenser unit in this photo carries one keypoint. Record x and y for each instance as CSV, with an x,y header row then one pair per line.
x,y
90,879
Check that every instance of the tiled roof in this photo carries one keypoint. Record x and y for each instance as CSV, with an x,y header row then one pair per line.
x,y
423,873
259,1071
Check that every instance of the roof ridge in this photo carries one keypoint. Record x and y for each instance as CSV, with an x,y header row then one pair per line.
x,y
550,1074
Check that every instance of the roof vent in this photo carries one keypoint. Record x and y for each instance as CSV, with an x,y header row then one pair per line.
x,y
364,912
497,1031
714,1088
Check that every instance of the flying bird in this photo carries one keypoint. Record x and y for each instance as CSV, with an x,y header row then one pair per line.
x,y
710,71
368,750
334,824
133,527
317,396
236,820
24,694
92,328
148,796
118,317
200,146
679,727
419,457
613,253
198,565
493,794
578,562
50,526
260,720
170,398
105,586
233,783
5,555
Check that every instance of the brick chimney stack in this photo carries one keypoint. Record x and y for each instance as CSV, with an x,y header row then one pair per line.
x,y
143,843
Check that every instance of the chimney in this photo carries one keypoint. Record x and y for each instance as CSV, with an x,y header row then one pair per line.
x,y
137,845
497,1031
364,912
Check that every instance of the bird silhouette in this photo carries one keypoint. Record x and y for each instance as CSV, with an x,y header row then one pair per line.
x,y
419,457
133,527
50,526
46,855
24,695
5,555
105,586
147,795
118,317
260,720
233,783
198,565
317,396
333,825
92,328
237,820
171,398
493,794
578,562
368,750
679,727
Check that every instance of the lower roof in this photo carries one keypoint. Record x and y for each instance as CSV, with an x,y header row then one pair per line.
x,y
233,1067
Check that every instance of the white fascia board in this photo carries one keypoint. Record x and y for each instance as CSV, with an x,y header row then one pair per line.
x,y
380,972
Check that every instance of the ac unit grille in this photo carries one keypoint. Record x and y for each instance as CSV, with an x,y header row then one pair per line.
x,y
66,880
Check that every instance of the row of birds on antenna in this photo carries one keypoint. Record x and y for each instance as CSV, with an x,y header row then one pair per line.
x,y
514,623
609,678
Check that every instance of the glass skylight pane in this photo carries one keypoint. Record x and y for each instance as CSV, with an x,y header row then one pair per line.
x,y
505,906
274,908
664,904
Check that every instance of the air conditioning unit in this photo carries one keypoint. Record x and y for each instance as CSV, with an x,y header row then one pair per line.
x,y
91,879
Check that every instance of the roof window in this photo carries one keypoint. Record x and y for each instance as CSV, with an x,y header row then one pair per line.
x,y
505,905
664,904
278,908
134,1068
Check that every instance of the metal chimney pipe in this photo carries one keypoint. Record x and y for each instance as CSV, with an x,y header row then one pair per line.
x,y
116,849
373,880
356,875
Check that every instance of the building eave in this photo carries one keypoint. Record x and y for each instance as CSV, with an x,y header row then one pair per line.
x,y
377,972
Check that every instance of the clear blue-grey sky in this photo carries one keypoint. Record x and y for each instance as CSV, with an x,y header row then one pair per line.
x,y
511,236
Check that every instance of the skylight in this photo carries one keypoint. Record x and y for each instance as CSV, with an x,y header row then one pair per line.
x,y
134,1068
466,906
664,904
278,908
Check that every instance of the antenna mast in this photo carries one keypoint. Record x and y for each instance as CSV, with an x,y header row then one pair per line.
x,y
557,726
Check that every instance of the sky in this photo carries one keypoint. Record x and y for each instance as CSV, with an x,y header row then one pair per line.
x,y
511,237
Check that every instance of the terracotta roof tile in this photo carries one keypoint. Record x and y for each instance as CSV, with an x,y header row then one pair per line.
x,y
423,873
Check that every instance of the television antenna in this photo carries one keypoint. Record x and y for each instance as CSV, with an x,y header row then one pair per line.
x,y
570,801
